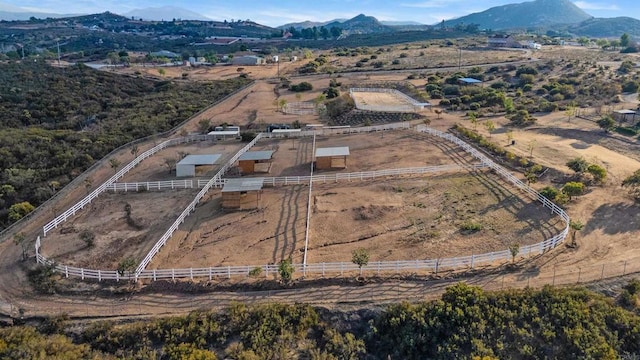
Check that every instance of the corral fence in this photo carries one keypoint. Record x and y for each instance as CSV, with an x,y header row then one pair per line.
x,y
105,186
429,265
412,105
80,178
303,108
294,180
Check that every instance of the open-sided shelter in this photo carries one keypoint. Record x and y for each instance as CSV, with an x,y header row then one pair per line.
x,y
187,166
242,194
255,161
332,157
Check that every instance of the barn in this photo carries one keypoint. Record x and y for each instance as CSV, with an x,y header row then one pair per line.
x,y
255,161
331,158
188,165
242,194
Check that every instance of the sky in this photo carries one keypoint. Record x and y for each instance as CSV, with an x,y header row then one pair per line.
x,y
274,13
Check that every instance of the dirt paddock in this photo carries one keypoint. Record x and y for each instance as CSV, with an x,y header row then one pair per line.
x,y
368,152
116,238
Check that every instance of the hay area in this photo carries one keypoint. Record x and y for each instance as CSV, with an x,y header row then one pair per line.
x,y
424,218
213,237
116,238
155,168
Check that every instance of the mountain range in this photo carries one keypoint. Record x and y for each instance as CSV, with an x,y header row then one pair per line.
x,y
561,16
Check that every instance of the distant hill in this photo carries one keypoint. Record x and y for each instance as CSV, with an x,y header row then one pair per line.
x,y
401,23
361,24
309,24
538,13
165,13
607,27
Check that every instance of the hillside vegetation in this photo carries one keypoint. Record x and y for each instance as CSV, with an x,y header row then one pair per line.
x,y
466,323
54,123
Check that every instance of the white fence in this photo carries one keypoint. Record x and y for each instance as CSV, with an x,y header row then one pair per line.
x,y
430,265
293,180
412,105
192,206
102,188
338,131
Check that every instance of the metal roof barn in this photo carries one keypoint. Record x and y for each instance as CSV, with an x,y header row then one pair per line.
x,y
241,194
187,166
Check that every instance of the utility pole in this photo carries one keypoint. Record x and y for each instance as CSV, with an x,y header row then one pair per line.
x,y
58,43
278,62
459,58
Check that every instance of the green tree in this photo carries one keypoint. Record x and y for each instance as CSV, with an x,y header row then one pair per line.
x,y
573,188
134,150
162,72
20,210
598,172
625,40
20,239
126,266
204,125
115,164
360,257
579,165
606,123
575,225
490,126
514,249
531,174
632,183
549,192
286,270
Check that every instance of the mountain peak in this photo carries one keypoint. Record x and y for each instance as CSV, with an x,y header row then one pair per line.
x,y
524,15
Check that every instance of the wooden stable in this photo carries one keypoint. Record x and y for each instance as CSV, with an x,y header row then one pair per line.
x,y
331,158
242,194
255,161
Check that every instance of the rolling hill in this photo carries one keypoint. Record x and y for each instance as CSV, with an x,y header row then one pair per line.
x,y
607,27
538,13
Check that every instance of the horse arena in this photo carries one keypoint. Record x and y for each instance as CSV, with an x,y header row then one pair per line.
x,y
417,200
385,100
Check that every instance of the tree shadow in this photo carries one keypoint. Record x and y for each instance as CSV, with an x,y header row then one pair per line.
x,y
614,219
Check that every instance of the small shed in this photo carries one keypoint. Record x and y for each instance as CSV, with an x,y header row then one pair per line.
x,y
187,166
255,161
625,115
331,158
242,194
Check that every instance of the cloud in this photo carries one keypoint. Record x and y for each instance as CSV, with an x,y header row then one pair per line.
x,y
584,5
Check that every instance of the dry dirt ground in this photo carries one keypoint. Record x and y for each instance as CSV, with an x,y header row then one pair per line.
x,y
116,238
424,218
610,236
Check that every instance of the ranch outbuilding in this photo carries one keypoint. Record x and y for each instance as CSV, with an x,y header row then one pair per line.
x,y
188,165
255,161
331,158
242,194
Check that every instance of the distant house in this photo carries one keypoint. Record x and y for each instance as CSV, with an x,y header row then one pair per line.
x,y
331,158
505,41
248,60
469,81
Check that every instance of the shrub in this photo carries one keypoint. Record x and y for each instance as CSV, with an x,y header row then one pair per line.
x,y
303,86
470,227
549,192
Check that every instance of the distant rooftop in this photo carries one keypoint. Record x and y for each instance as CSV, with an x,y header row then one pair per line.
x,y
205,159
256,155
332,151
245,184
469,80
625,112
